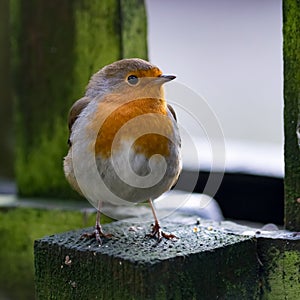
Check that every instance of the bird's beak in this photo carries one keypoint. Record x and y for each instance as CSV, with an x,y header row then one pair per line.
x,y
166,78
160,80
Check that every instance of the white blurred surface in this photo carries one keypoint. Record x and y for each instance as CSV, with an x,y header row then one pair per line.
x,y
248,157
189,204
229,52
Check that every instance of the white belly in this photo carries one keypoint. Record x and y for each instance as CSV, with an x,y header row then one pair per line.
x,y
125,177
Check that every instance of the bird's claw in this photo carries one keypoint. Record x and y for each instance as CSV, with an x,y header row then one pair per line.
x,y
159,234
97,234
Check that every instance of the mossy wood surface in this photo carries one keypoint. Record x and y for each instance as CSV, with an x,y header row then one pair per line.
x,y
202,264
19,227
57,46
133,28
291,54
280,263
6,103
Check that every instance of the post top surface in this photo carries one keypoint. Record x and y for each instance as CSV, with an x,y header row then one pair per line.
x,y
131,243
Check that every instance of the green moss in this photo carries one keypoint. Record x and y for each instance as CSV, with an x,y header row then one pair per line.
x,y
97,38
291,55
45,174
279,271
284,277
134,267
57,46
134,29
19,228
6,120
43,63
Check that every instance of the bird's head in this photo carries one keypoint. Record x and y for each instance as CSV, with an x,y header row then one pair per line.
x,y
134,76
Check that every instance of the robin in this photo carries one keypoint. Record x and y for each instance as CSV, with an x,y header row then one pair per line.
x,y
124,143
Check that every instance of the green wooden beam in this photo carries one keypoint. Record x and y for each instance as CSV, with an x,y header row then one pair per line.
x,y
134,29
58,45
19,227
6,101
291,56
279,269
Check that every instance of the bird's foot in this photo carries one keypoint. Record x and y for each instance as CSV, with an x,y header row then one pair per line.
x,y
159,234
97,234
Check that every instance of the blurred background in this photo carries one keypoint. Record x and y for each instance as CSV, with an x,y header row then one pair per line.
x,y
228,52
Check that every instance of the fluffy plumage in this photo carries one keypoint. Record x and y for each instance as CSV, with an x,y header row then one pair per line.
x,y
124,140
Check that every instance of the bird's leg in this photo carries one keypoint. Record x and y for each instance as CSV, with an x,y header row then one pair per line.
x,y
156,229
98,233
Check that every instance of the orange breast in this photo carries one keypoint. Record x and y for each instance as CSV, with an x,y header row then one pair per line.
x,y
120,115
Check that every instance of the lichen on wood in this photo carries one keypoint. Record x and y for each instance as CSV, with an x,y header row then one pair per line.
x,y
291,56
280,260
6,103
57,46
202,264
19,227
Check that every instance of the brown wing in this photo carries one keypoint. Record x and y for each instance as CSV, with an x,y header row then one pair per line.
x,y
74,112
172,111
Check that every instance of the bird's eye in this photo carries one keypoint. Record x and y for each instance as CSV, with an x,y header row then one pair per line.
x,y
132,79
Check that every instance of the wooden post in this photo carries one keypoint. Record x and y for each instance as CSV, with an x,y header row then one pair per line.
x,y
203,264
279,257
59,45
6,103
208,261
291,53
20,224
